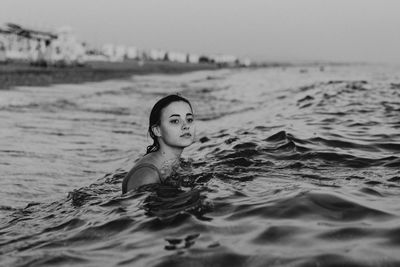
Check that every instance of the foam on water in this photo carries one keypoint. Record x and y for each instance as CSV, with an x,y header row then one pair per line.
x,y
292,167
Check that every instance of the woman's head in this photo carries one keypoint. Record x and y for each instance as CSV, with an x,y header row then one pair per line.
x,y
170,122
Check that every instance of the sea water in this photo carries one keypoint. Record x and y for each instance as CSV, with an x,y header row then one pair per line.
x,y
292,166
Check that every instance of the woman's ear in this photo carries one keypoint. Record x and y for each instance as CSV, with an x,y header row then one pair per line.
x,y
156,130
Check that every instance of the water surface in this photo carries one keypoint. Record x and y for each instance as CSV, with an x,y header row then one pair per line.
x,y
295,166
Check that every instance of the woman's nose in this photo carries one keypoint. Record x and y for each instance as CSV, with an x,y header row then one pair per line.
x,y
185,125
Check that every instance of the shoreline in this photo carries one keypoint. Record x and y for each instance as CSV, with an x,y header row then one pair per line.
x,y
23,74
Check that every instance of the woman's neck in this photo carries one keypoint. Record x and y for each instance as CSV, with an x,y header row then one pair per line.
x,y
170,154
168,160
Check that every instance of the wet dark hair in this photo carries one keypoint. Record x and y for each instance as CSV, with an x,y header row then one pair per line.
x,y
155,117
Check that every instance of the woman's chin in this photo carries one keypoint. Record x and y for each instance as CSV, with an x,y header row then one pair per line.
x,y
186,143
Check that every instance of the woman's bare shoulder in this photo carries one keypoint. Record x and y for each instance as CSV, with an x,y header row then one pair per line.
x,y
143,172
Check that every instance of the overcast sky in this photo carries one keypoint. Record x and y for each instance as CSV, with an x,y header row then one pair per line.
x,y
339,30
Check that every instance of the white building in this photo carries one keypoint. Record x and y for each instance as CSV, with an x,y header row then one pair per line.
x,y
157,54
177,57
115,53
225,59
193,58
132,52
108,50
120,52
66,48
245,62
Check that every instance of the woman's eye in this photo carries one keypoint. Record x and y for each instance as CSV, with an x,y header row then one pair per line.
x,y
190,120
174,121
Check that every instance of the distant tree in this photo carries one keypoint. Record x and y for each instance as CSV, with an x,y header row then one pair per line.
x,y
166,57
204,59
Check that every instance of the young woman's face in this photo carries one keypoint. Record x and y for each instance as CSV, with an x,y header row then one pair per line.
x,y
177,127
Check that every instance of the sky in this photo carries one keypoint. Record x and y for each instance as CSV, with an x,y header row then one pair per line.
x,y
263,30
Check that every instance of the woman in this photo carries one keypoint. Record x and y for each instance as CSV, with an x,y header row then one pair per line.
x,y
172,129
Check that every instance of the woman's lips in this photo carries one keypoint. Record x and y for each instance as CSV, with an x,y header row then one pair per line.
x,y
186,135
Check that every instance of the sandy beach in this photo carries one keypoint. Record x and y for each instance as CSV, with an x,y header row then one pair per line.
x,y
24,74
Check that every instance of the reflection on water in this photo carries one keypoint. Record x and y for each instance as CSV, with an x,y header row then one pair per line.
x,y
291,168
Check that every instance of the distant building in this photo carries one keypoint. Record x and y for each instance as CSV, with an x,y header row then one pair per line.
x,y
245,62
132,52
43,47
193,58
157,54
226,60
177,57
120,52
66,48
108,50
62,47
115,53
94,54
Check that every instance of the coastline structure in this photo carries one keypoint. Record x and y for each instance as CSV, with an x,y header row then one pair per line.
x,y
41,57
61,47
